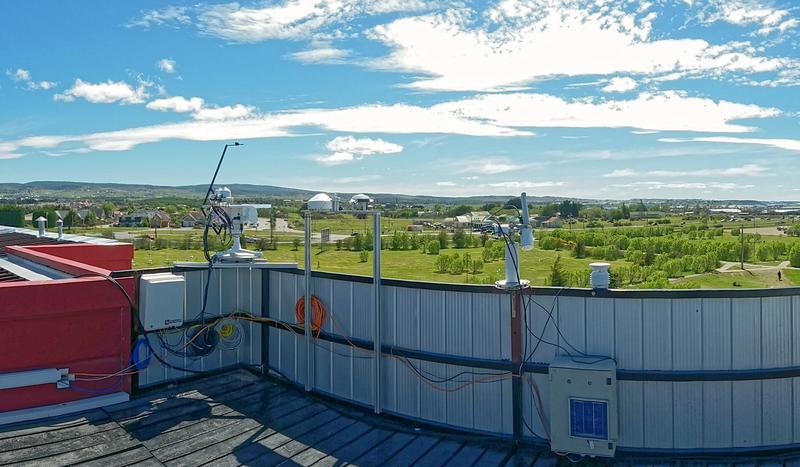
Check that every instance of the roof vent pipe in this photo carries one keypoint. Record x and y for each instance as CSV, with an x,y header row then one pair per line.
x,y
599,277
42,223
60,226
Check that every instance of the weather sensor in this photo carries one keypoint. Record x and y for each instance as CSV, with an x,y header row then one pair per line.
x,y
512,280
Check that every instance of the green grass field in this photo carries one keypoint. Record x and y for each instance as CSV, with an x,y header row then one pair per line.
x,y
407,264
731,280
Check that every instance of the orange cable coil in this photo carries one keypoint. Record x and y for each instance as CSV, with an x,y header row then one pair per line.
x,y
317,312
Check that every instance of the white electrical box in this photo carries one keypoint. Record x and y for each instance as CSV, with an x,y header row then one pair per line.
x,y
583,406
161,300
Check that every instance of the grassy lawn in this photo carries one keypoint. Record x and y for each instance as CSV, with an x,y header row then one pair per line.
x,y
347,224
408,264
768,279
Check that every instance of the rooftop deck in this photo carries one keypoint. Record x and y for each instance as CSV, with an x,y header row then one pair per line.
x,y
238,418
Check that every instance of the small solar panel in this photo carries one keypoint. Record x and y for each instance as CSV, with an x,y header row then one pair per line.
x,y
588,419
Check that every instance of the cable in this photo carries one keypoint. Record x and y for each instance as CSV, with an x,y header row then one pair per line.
x,y
317,312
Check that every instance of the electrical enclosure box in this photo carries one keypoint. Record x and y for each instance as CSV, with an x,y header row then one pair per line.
x,y
161,300
583,406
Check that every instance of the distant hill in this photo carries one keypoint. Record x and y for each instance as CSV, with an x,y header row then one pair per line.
x,y
51,191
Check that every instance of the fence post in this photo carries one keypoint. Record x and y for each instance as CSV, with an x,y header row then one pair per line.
x,y
376,305
516,357
308,310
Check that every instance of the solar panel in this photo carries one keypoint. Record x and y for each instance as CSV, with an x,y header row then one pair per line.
x,y
588,419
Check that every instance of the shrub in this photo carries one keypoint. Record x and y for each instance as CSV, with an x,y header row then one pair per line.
x,y
794,256
460,238
363,256
442,263
295,244
443,240
432,248
558,277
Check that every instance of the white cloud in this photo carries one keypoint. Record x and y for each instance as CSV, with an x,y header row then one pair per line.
x,y
228,112
347,149
788,144
176,104
747,170
105,93
656,185
623,84
447,183
667,111
520,42
327,55
487,166
620,173
526,184
765,17
171,15
24,76
292,19
166,65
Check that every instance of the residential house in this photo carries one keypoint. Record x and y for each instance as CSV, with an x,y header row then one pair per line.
x,y
192,219
151,218
552,223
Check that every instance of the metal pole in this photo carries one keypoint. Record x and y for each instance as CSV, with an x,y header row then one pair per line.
x,y
516,357
741,246
376,306
307,311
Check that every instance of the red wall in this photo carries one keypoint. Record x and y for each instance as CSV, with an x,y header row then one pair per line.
x,y
83,324
114,257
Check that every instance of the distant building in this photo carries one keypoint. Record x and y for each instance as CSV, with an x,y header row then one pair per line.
x,y
552,223
192,219
149,218
414,228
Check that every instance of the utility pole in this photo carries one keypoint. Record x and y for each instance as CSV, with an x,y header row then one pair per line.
x,y
741,247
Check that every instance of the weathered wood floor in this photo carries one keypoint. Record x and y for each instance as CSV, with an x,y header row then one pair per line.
x,y
238,418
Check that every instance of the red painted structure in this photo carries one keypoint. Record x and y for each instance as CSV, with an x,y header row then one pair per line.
x,y
81,323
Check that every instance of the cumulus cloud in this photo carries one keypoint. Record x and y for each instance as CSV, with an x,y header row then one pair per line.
x,y
519,42
445,183
23,76
657,185
348,148
228,112
176,104
105,93
617,84
166,65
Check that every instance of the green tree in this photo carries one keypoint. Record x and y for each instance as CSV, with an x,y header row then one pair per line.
x,y
363,256
11,216
90,219
626,213
558,276
443,240
794,256
433,247
108,209
460,238
71,219
295,244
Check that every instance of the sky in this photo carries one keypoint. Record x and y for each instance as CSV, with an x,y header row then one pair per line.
x,y
613,99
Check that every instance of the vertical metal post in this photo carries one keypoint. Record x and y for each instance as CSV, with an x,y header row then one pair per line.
x,y
516,357
376,306
307,311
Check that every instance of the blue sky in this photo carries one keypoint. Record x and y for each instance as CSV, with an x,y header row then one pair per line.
x,y
588,98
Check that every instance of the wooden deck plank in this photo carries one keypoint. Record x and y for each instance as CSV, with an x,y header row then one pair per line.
x,y
150,396
172,430
178,404
51,424
52,449
136,456
277,447
55,436
494,457
222,441
523,458
467,455
322,449
380,453
356,448
439,454
412,451
81,449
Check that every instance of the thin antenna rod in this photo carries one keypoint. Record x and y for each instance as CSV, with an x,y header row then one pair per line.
x,y
216,172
